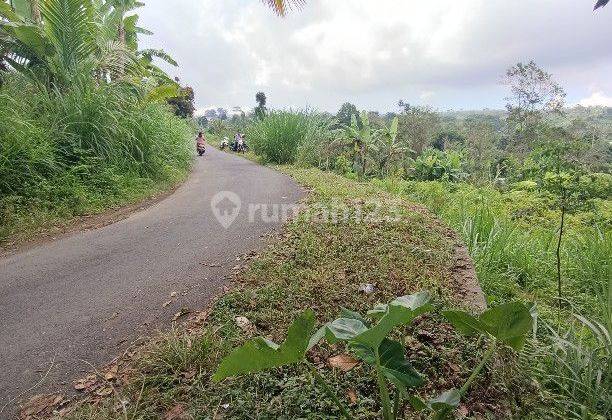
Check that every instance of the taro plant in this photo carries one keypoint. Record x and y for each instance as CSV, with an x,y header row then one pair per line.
x,y
504,325
368,338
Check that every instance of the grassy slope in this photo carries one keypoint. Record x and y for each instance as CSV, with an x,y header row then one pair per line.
x,y
80,152
320,266
512,239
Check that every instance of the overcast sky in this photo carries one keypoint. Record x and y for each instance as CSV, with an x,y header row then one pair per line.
x,y
450,54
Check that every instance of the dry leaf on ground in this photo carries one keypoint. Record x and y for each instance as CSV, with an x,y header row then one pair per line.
x,y
344,362
85,383
351,394
39,404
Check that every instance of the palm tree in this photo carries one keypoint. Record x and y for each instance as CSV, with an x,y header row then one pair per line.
x,y
281,7
69,44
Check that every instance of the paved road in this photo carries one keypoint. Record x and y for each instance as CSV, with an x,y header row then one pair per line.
x,y
78,298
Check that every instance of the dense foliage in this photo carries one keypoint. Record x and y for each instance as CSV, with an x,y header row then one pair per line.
x,y
84,122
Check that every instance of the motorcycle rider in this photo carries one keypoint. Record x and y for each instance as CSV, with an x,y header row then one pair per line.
x,y
200,143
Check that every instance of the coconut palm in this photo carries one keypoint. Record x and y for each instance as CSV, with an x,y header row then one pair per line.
x,y
281,7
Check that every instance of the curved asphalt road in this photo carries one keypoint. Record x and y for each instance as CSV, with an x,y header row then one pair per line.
x,y
83,297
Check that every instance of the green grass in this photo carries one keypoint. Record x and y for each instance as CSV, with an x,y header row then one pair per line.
x,y
512,238
80,151
320,266
286,137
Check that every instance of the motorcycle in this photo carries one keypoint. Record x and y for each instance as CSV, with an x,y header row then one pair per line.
x,y
201,149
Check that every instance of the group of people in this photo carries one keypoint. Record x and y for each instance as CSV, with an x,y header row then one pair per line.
x,y
238,145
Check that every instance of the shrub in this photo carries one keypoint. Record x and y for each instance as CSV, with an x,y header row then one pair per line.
x,y
437,165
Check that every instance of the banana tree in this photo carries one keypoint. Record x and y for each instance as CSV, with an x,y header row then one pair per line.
x,y
387,147
363,137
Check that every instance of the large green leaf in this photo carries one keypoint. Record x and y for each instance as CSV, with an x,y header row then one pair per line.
x,y
7,12
396,367
344,329
261,354
347,313
23,8
445,403
400,311
509,323
464,322
162,92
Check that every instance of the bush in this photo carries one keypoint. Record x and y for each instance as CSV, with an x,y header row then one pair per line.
x,y
67,153
435,165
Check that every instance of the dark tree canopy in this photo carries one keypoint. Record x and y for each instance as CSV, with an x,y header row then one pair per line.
x,y
260,98
260,109
183,105
345,112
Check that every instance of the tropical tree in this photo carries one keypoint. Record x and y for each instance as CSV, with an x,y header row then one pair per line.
x,y
534,94
79,38
387,147
281,7
363,138
260,109
345,113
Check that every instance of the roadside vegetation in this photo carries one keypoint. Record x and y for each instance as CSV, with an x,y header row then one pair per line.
x,y
322,266
84,123
528,190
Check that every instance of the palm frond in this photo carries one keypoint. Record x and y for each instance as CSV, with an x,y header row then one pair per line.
x,y
161,54
69,27
282,7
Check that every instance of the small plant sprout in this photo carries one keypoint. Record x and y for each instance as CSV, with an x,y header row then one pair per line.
x,y
367,337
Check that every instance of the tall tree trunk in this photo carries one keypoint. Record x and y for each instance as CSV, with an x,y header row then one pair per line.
x,y
558,250
36,16
122,42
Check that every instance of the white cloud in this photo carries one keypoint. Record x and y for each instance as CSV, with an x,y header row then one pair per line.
x,y
373,53
597,99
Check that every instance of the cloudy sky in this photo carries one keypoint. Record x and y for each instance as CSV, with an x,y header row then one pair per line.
x,y
449,54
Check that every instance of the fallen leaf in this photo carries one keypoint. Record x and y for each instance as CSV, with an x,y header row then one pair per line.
x,y
104,392
462,411
188,375
244,323
175,413
40,403
351,394
183,311
85,383
173,294
111,374
166,303
344,362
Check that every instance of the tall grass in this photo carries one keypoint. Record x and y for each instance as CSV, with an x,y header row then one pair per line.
x,y
511,237
286,137
72,152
